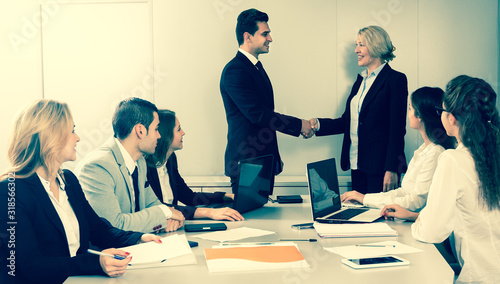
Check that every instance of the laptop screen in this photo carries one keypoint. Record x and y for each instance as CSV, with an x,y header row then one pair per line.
x,y
323,187
254,183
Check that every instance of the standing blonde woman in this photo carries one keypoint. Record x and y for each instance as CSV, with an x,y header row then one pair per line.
x,y
50,219
374,119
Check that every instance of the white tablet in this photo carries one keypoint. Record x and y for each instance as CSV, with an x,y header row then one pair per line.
x,y
373,262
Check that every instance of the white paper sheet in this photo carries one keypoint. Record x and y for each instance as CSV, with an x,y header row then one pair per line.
x,y
233,234
377,229
390,247
152,254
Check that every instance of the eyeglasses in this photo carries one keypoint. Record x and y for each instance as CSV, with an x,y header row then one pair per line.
x,y
439,110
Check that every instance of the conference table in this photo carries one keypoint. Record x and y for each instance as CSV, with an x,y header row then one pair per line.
x,y
427,266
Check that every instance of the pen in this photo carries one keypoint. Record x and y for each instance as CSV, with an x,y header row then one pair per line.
x,y
298,240
116,256
146,263
246,244
377,246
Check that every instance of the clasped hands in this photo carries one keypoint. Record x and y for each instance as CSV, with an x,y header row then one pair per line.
x,y
309,127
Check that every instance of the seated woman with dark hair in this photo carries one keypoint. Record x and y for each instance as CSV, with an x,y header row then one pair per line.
x,y
53,221
412,194
464,198
169,186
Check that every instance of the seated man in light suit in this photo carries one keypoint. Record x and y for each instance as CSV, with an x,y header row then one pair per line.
x,y
113,177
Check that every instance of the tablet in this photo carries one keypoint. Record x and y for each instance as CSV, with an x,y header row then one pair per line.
x,y
205,227
373,262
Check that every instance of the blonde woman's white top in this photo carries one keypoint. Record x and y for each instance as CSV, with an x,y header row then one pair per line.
x,y
66,214
412,194
453,209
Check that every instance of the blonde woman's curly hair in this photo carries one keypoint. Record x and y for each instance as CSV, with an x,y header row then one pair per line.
x,y
378,42
40,132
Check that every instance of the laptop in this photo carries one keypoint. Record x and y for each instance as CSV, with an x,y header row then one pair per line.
x,y
254,184
325,197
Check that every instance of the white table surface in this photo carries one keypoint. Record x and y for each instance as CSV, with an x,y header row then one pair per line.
x,y
325,267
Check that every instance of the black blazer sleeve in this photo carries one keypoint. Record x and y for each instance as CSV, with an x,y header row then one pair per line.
x,y
154,181
181,190
183,193
341,125
101,233
41,248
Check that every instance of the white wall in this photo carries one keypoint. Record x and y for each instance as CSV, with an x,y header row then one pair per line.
x,y
92,55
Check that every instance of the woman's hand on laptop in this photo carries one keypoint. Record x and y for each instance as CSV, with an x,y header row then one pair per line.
x,y
395,211
352,195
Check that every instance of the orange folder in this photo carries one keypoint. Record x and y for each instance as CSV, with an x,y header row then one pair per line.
x,y
261,254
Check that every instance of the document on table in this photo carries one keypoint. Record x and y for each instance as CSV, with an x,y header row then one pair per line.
x,y
354,230
174,250
281,255
373,249
233,234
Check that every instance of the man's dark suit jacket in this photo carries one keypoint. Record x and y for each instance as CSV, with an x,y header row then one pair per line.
x,y
252,122
180,190
41,248
382,122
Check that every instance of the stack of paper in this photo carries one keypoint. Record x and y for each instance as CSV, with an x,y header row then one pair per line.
x,y
233,234
354,230
174,250
373,249
240,258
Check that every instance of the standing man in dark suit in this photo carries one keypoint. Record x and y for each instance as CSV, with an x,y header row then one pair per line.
x,y
248,99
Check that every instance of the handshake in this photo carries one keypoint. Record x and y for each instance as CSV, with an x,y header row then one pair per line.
x,y
309,127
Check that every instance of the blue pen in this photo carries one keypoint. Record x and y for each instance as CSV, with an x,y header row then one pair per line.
x,y
116,256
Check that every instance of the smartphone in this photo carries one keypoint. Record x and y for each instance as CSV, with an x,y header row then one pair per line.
x,y
205,227
303,226
192,244
373,262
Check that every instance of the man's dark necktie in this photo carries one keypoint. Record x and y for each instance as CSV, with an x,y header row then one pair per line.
x,y
135,180
263,72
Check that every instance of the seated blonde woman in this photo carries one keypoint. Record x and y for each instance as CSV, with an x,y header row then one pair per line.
x,y
53,221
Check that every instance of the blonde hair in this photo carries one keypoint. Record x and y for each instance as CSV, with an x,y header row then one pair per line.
x,y
39,134
378,42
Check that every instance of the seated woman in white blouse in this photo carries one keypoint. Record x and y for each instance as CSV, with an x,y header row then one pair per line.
x,y
52,223
169,186
464,198
412,194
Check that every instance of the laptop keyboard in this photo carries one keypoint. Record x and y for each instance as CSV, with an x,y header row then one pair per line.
x,y
348,213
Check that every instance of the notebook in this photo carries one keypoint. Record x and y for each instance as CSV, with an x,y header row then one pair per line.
x,y
254,184
325,197
174,250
